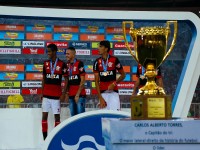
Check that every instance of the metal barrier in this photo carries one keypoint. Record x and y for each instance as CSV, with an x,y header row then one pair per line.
x,y
39,105
193,112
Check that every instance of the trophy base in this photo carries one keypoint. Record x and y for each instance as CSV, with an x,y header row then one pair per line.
x,y
149,107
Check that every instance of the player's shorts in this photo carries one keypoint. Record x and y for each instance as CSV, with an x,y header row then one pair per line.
x,y
112,100
48,104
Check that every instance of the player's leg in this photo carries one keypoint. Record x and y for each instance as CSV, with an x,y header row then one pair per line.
x,y
55,105
72,106
114,101
45,109
106,98
81,105
57,119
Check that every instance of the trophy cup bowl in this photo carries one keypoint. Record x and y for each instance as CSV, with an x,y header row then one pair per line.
x,y
150,50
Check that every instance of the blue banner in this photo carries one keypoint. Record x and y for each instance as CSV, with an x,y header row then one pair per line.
x,y
117,37
41,28
91,29
61,51
72,37
80,45
127,78
134,69
34,68
12,35
88,84
88,68
11,76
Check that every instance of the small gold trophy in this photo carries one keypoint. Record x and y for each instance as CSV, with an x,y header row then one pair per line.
x,y
150,50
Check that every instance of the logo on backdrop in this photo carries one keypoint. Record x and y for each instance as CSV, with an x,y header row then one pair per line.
x,y
80,44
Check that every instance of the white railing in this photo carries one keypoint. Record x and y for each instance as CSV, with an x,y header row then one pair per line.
x,y
193,112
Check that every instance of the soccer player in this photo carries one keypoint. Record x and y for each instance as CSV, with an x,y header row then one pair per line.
x,y
105,69
53,71
75,92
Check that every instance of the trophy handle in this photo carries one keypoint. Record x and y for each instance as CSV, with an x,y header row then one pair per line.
x,y
174,38
125,39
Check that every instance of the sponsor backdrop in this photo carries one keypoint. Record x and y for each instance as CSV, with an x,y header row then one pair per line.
x,y
29,39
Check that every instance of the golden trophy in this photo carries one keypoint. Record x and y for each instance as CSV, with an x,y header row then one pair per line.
x,y
150,50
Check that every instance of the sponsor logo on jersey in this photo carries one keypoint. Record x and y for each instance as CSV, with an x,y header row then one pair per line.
x,y
55,76
73,77
109,73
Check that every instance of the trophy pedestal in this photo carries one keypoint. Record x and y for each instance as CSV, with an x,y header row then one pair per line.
x,y
148,107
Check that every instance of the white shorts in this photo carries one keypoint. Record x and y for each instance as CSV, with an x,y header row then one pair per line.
x,y
53,104
112,100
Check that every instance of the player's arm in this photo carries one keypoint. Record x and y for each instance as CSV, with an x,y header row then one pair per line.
x,y
82,82
43,80
159,79
82,76
101,99
65,88
119,79
81,86
96,78
122,76
65,75
160,82
120,69
62,97
136,85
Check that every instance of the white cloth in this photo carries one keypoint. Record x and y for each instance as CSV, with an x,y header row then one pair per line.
x,y
53,104
112,100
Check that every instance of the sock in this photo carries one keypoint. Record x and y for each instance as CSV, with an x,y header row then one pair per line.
x,y
44,128
56,123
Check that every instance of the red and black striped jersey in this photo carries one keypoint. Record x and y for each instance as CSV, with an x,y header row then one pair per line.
x,y
106,79
52,85
75,71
